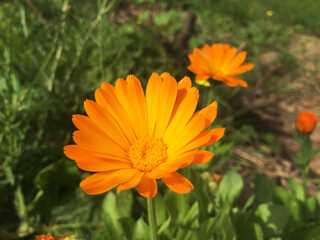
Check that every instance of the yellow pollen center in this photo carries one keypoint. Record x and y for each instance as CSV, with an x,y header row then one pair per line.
x,y
147,153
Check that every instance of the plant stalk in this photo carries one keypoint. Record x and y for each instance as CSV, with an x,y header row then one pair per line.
x,y
152,218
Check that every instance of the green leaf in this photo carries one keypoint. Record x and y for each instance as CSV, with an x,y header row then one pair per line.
x,y
141,230
177,205
111,216
273,218
306,151
206,228
312,233
263,189
297,189
127,224
223,228
51,179
165,225
160,209
19,203
248,203
202,194
9,175
124,203
229,189
311,208
315,152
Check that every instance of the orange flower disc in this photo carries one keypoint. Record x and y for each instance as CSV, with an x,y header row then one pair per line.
x,y
306,122
132,139
219,62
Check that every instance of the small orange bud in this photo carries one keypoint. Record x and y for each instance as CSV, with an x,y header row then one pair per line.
x,y
217,178
49,237
306,122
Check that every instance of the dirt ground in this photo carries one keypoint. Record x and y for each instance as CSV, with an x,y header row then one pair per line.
x,y
279,115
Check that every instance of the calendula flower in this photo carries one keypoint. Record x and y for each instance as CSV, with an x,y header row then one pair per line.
x,y
219,62
132,139
306,122
49,237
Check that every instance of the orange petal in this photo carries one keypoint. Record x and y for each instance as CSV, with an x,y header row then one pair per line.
x,y
109,88
75,152
202,156
104,181
152,98
202,77
134,181
233,82
89,162
138,102
178,183
105,122
185,83
216,52
228,54
173,164
203,139
237,61
181,115
89,134
157,174
108,100
199,61
125,101
190,131
198,70
167,98
97,143
209,113
242,69
148,187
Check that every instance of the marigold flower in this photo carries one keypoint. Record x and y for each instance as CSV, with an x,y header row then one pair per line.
x,y
219,62
49,237
306,122
131,139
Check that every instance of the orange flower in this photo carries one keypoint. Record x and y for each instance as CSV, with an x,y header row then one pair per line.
x,y
131,139
306,122
49,237
219,62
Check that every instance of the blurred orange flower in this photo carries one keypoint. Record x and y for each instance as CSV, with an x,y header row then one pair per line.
x,y
49,237
219,62
306,122
132,139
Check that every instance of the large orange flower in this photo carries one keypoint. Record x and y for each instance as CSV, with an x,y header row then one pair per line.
x,y
131,139
219,62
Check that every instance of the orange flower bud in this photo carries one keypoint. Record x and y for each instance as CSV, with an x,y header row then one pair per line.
x,y
217,178
306,122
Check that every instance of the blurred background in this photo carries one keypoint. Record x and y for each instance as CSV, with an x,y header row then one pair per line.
x,y
54,54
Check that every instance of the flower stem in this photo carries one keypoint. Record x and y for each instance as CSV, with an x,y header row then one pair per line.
x,y
304,171
152,218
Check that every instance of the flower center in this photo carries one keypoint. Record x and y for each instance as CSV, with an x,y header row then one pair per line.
x,y
147,153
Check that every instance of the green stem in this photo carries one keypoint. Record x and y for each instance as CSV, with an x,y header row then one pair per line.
x,y
304,172
152,218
